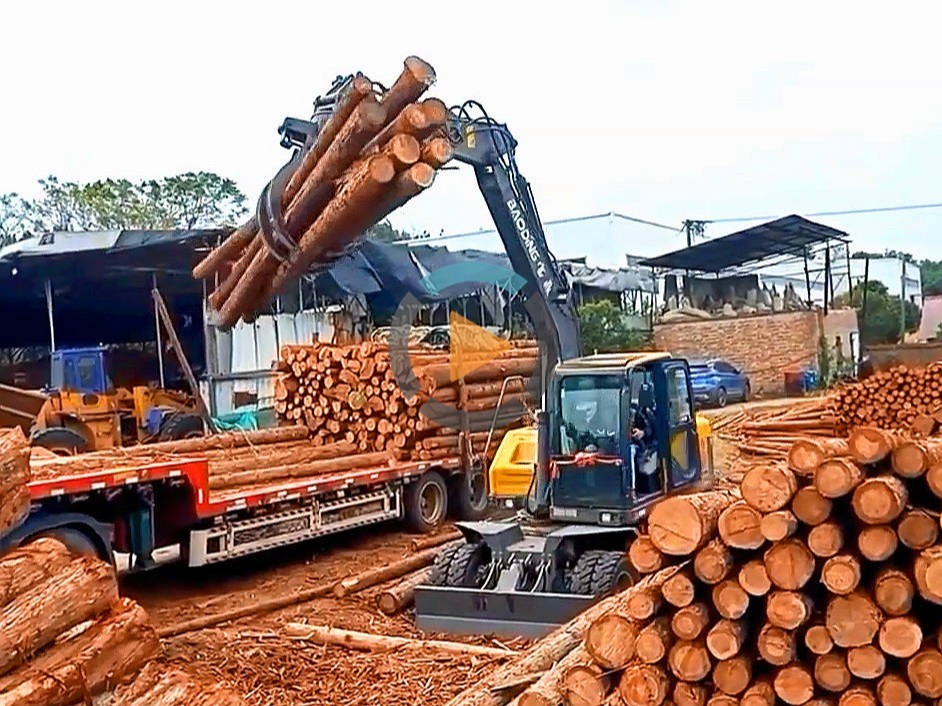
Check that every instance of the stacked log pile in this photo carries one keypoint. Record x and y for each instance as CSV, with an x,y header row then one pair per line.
x,y
65,634
159,686
14,475
351,395
821,586
377,151
898,398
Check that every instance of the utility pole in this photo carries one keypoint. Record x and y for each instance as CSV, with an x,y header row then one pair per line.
x,y
902,300
694,229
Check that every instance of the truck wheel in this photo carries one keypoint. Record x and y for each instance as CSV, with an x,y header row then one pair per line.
x,y
469,491
62,441
182,426
599,572
721,397
426,502
74,540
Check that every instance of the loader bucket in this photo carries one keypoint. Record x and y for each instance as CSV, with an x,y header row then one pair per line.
x,y
472,611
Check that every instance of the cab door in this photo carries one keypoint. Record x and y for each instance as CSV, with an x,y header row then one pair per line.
x,y
679,446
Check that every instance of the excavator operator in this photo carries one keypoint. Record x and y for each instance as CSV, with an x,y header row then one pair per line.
x,y
642,442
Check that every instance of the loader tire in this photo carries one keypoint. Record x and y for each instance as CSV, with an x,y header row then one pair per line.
x,y
60,440
464,567
438,576
182,426
599,572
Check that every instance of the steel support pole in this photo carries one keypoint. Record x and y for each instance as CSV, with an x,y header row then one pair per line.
x,y
160,345
52,324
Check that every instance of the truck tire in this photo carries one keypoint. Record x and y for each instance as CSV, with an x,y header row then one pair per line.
x,y
62,441
426,502
469,494
74,540
182,426
599,572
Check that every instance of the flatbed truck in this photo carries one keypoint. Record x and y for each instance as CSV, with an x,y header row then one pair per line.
x,y
139,509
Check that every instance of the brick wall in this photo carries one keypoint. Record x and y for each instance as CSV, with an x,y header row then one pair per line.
x,y
764,346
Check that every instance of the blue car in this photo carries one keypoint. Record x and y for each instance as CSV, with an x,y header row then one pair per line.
x,y
716,382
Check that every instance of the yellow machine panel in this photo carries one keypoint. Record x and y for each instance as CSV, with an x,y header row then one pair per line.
x,y
512,468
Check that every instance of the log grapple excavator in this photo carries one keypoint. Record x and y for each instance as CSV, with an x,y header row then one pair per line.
x,y
616,432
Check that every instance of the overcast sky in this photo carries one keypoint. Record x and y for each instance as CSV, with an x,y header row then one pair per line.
x,y
660,110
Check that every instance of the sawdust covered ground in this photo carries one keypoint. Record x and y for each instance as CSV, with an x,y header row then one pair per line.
x,y
268,669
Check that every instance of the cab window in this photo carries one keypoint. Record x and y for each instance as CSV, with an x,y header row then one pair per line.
x,y
677,396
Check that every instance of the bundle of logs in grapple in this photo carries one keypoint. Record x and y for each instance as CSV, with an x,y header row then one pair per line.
x,y
374,153
817,584
899,398
352,395
66,636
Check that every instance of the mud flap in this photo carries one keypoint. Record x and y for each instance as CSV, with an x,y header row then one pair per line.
x,y
471,611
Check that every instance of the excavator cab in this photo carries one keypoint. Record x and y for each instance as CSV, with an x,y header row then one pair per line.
x,y
618,434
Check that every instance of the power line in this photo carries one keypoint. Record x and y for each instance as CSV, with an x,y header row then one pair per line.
x,y
851,212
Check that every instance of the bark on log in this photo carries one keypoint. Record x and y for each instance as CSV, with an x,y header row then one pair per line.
x,y
789,564
853,621
788,609
644,556
810,507
84,589
158,686
934,479
713,562
925,673
877,542
585,685
644,685
739,526
912,459
880,500
368,642
229,249
437,152
841,574
794,685
732,676
900,636
827,539
14,476
680,525
818,640
768,488
778,525
266,457
754,578
893,690
689,661
109,650
30,565
679,589
726,638
303,470
402,595
644,604
730,599
893,591
551,688
419,544
917,529
831,672
394,570
776,646
927,571
837,477
866,662
871,445
690,622
654,641
417,75
805,455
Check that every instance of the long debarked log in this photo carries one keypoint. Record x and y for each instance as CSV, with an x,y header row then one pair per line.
x,y
14,476
111,649
550,689
312,468
396,569
402,595
325,635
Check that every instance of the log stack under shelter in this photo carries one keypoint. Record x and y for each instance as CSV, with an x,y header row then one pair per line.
x,y
811,585
379,149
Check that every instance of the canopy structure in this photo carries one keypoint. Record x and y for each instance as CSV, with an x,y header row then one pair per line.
x,y
791,235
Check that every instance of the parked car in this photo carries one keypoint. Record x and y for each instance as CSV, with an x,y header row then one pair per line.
x,y
716,382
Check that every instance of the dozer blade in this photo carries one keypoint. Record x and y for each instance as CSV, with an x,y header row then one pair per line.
x,y
471,611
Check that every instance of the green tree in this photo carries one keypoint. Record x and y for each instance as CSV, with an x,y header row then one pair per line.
x,y
195,200
384,232
604,329
931,273
881,324
15,218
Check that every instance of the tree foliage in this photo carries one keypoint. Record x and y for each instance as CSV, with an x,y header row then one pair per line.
x,y
190,200
930,270
605,330
881,324
384,232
